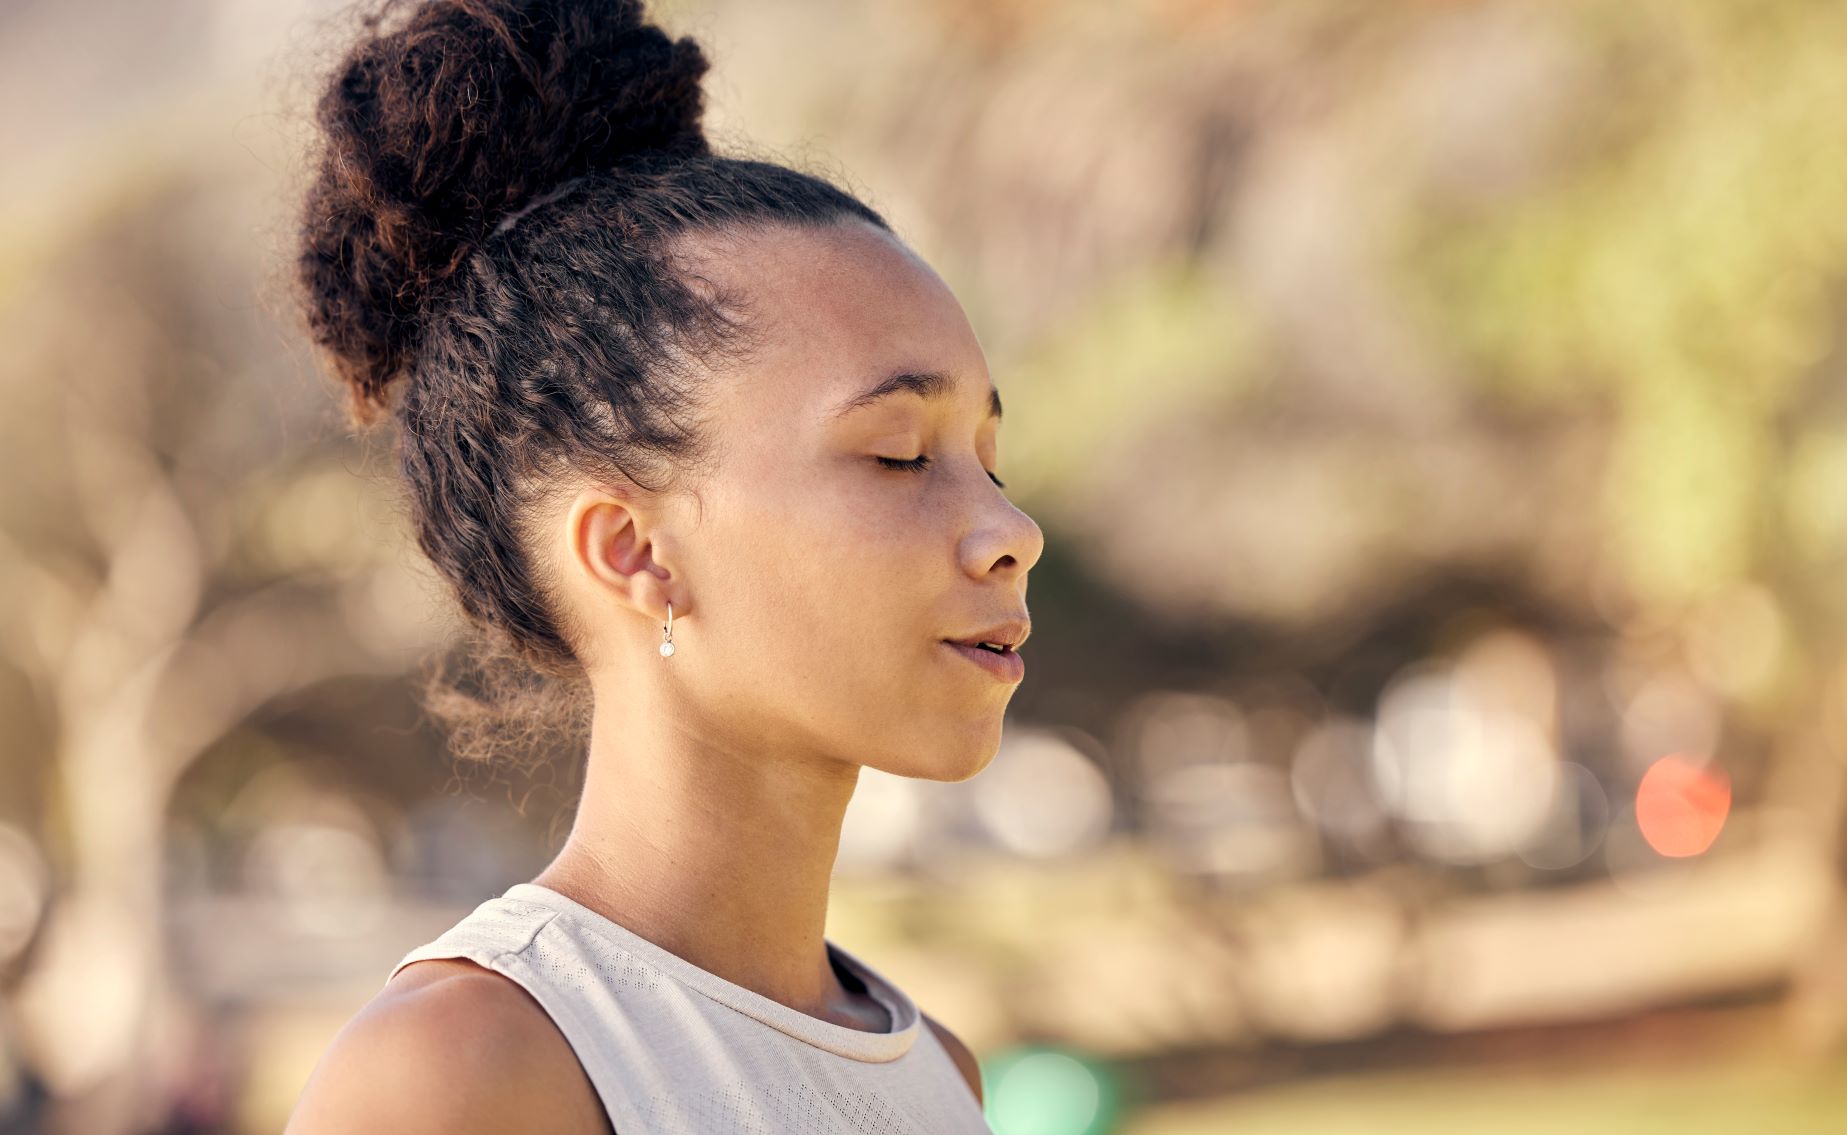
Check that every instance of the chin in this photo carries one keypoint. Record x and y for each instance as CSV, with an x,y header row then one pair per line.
x,y
954,759
954,772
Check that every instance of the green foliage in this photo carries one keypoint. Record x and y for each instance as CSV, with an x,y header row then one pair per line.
x,y
1171,336
1684,279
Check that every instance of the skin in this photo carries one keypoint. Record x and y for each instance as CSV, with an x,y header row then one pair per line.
x,y
811,588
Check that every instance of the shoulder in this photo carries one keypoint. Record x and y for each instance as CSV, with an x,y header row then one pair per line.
x,y
448,1046
965,1060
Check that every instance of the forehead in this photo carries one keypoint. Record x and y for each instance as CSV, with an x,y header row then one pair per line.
x,y
836,308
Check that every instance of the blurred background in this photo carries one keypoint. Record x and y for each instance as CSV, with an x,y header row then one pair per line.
x,y
1437,715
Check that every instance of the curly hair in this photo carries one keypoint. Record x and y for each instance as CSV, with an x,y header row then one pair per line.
x,y
488,255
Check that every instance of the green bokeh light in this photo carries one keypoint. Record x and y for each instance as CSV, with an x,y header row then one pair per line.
x,y
1043,1090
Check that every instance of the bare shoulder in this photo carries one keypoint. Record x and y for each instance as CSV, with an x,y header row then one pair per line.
x,y
452,1047
958,1052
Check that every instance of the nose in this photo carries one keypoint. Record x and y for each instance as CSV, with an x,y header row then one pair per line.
x,y
1007,539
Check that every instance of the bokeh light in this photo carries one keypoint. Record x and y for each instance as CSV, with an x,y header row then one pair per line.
x,y
881,822
1043,1090
1042,796
1471,782
1681,805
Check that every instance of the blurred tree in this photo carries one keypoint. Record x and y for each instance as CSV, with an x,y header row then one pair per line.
x,y
192,548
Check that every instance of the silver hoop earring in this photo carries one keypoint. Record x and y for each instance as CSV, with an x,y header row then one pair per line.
x,y
667,634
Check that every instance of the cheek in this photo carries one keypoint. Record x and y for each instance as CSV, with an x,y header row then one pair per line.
x,y
828,585
825,562
826,639
857,527
838,596
861,561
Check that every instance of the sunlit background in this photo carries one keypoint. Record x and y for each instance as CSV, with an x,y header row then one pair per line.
x,y
1437,709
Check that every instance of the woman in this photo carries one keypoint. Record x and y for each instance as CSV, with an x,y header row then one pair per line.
x,y
700,435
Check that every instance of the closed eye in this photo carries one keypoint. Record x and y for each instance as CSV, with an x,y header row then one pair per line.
x,y
919,463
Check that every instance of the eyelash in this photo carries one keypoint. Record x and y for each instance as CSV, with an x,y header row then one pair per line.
x,y
917,465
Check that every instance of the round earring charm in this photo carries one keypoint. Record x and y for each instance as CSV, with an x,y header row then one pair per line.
x,y
667,631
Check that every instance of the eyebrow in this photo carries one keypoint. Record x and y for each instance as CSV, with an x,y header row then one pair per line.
x,y
929,385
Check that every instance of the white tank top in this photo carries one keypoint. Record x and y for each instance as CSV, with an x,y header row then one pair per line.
x,y
673,1049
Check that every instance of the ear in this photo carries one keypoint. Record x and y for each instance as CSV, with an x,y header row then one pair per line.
x,y
613,550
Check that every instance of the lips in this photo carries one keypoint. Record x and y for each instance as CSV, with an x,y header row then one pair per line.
x,y
1004,665
976,644
1001,637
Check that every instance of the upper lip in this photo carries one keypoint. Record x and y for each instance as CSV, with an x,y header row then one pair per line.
x,y
1010,633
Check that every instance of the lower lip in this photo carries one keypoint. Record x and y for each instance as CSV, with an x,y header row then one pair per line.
x,y
1008,667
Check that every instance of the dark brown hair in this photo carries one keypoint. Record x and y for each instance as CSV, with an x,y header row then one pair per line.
x,y
491,235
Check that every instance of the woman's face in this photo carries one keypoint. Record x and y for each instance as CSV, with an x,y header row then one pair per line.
x,y
817,583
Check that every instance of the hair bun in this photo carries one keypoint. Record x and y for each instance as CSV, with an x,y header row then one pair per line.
x,y
437,127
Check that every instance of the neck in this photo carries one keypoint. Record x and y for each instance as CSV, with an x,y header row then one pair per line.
x,y
719,849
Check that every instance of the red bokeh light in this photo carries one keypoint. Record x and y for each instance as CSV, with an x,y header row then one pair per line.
x,y
1681,805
